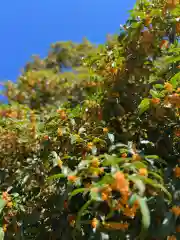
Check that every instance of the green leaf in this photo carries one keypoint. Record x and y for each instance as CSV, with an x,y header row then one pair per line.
x,y
144,105
107,179
155,157
167,226
56,176
76,191
1,234
156,176
136,165
154,94
112,160
2,204
159,86
146,220
156,185
139,184
111,137
172,59
175,80
80,213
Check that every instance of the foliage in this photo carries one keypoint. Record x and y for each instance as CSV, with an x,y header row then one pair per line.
x,y
90,137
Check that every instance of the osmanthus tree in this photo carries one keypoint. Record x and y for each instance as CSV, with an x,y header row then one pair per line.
x,y
99,160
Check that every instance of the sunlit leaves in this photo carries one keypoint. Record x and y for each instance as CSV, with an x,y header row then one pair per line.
x,y
144,105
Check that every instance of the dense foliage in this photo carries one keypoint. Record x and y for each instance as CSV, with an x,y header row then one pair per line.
x,y
90,137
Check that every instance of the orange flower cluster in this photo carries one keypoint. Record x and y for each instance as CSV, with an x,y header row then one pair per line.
x,y
105,130
178,228
177,132
94,223
62,114
136,157
116,226
174,99
90,146
155,101
177,172
66,204
143,172
95,162
124,155
176,210
60,132
127,210
115,94
71,220
120,184
7,198
171,237
9,113
106,193
168,87
5,226
72,178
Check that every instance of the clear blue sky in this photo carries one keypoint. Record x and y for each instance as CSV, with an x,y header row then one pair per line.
x,y
29,27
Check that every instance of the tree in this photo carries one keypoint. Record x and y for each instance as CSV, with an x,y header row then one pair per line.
x,y
94,151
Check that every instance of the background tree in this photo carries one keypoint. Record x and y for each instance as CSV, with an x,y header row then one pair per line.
x,y
90,137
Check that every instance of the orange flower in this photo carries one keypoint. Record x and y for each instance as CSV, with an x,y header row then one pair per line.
x,y
46,137
177,132
155,100
94,223
124,155
95,162
124,199
164,44
148,21
59,132
90,146
65,204
71,220
115,94
178,90
178,228
143,172
5,196
62,114
117,226
114,70
177,172
105,193
168,87
176,210
129,212
72,178
136,157
9,204
135,205
104,196
5,227
105,130
120,184
171,237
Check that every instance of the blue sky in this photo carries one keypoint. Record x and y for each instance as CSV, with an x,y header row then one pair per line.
x,y
29,27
